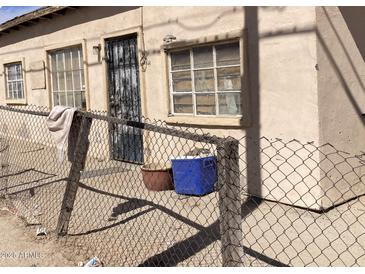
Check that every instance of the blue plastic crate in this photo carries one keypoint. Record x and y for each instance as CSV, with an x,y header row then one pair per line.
x,y
194,175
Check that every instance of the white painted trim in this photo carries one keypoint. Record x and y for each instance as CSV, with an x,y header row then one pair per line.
x,y
81,50
86,74
64,45
21,60
216,92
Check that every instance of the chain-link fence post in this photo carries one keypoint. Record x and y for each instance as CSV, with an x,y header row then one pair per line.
x,y
4,164
229,188
78,163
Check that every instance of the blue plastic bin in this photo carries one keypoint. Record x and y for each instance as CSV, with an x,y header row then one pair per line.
x,y
194,175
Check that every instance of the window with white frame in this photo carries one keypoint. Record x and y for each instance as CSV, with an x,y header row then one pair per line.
x,y
206,80
67,77
14,81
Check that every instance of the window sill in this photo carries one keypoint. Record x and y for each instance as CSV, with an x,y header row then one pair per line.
x,y
16,102
237,122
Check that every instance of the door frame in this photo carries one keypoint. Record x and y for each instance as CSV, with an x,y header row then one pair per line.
x,y
141,76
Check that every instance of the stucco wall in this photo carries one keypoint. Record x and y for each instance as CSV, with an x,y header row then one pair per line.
x,y
341,77
287,93
341,97
88,24
286,62
285,101
282,57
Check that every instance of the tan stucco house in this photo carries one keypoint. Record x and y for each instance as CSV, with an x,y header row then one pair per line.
x,y
279,72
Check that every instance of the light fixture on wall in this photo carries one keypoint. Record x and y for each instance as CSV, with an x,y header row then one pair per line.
x,y
169,38
96,51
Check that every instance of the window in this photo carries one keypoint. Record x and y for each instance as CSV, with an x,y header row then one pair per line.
x,y
67,77
14,81
206,80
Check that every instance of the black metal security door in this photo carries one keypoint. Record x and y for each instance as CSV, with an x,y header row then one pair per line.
x,y
124,98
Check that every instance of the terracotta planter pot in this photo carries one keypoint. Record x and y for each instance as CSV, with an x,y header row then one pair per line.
x,y
156,177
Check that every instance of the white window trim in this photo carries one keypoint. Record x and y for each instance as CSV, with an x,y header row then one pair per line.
x,y
215,92
58,46
84,87
22,101
17,94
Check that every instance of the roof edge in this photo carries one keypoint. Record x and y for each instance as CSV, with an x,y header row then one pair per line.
x,y
33,15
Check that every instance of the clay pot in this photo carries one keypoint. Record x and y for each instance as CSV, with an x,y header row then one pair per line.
x,y
157,177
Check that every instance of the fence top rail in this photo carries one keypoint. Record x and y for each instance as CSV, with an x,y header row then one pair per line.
x,y
25,111
204,138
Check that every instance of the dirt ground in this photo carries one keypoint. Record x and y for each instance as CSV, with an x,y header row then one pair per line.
x,y
156,228
20,247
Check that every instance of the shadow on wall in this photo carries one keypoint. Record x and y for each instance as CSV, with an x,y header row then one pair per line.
x,y
75,17
87,14
355,20
334,59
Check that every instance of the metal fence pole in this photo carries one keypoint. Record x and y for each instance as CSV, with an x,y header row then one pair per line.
x,y
78,163
230,202
4,162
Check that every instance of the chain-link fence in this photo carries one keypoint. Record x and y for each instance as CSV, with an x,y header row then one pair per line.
x,y
197,199
105,202
312,206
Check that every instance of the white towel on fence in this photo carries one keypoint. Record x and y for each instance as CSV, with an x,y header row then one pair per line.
x,y
59,123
